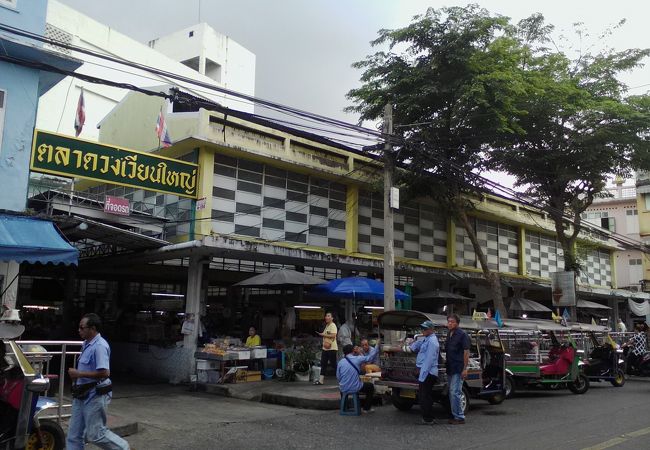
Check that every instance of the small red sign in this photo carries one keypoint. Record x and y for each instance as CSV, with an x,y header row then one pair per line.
x,y
117,205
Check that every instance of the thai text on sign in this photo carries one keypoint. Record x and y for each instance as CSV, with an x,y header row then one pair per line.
x,y
117,205
69,157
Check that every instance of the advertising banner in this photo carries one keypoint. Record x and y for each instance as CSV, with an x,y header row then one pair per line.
x,y
563,288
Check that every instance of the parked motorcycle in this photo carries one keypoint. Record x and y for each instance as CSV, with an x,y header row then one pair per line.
x,y
21,403
639,366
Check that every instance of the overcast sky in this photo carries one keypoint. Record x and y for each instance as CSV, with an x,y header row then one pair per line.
x,y
304,48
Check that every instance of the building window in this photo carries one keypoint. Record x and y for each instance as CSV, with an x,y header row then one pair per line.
x,y
13,4
632,212
635,262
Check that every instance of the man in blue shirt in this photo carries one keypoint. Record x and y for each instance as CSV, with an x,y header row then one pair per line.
x,y
427,361
457,352
348,371
92,391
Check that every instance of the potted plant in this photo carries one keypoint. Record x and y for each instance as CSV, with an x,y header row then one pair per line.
x,y
299,362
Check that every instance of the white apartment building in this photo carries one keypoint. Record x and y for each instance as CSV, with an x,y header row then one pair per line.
x,y
618,213
197,52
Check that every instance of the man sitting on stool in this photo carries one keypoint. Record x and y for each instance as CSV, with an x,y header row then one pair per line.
x,y
348,371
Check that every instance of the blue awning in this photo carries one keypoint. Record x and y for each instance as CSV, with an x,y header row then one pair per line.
x,y
25,239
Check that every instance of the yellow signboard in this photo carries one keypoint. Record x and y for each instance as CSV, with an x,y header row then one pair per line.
x,y
311,314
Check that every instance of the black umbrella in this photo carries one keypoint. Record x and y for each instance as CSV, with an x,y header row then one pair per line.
x,y
438,294
280,277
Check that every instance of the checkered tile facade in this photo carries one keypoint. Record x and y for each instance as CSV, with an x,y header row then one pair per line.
x,y
419,233
544,255
597,269
498,241
258,200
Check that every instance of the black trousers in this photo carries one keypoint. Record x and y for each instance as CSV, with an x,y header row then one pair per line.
x,y
425,395
369,390
328,357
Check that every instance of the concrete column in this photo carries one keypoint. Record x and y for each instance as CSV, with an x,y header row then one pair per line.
x,y
195,274
9,271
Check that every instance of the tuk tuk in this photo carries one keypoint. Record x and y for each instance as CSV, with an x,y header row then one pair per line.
x,y
485,372
605,361
21,403
541,353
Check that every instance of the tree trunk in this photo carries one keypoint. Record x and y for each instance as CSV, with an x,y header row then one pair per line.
x,y
492,277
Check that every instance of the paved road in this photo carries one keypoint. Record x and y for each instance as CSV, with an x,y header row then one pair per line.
x,y
605,417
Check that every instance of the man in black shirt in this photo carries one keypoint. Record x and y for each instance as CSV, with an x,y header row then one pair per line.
x,y
457,349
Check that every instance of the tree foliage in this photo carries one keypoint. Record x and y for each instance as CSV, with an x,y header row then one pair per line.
x,y
472,91
451,76
575,128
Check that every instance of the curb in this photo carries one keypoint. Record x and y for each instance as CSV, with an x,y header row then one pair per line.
x,y
126,429
298,402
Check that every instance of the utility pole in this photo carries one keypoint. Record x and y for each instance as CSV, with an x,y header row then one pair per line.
x,y
389,251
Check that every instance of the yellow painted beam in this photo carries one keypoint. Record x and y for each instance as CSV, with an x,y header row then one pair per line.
x,y
521,248
203,224
451,243
352,219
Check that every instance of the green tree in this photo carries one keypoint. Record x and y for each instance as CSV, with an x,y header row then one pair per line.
x,y
453,77
575,128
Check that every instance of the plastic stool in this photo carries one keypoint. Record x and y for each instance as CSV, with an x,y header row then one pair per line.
x,y
356,405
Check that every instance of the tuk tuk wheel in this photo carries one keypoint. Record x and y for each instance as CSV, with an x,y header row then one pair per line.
x,y
401,403
496,399
464,401
619,380
580,385
53,437
510,387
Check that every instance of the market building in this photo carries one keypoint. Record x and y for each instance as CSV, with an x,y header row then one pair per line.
x,y
270,196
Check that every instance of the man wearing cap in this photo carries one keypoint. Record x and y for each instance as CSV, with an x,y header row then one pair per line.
x,y
427,361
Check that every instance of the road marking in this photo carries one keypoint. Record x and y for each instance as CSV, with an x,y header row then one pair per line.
x,y
619,440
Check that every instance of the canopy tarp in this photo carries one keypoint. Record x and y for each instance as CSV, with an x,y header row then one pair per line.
x,y
590,305
30,240
524,304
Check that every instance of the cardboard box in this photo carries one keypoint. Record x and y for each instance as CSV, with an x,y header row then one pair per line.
x,y
245,376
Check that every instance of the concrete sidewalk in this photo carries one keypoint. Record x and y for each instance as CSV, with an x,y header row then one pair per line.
x,y
297,394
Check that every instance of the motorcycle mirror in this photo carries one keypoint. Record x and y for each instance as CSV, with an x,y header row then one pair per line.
x,y
38,385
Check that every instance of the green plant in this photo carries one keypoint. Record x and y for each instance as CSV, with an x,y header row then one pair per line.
x,y
300,359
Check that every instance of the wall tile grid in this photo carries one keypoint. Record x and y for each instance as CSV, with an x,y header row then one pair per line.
x,y
498,241
597,268
258,200
543,255
418,232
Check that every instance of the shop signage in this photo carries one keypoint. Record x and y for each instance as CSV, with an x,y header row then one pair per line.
x,y
200,204
66,156
311,314
117,205
563,288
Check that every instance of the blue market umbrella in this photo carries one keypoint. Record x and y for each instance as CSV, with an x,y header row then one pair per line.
x,y
360,288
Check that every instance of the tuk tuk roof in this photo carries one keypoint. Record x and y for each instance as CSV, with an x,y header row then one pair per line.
x,y
408,319
588,327
534,324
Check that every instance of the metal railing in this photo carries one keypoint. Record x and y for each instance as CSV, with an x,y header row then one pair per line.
x,y
40,361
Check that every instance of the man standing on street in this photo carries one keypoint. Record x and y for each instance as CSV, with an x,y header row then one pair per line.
x,y
91,391
427,361
457,352
348,372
